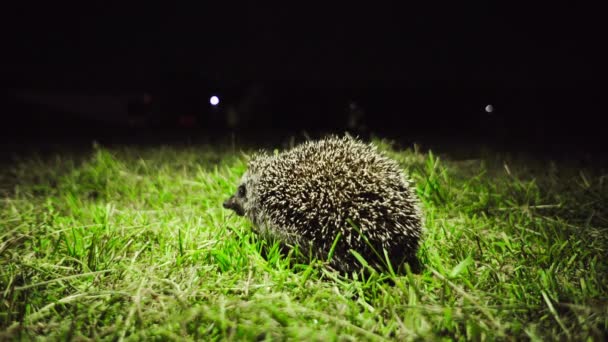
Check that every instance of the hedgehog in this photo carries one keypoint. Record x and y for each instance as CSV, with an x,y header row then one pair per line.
x,y
333,198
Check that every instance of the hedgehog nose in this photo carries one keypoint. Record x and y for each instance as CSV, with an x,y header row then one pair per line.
x,y
232,204
228,203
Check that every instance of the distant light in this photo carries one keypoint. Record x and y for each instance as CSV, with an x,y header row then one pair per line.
x,y
214,100
489,108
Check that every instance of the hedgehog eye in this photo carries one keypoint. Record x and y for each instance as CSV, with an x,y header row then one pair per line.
x,y
242,191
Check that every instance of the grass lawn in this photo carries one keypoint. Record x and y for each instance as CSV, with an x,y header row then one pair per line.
x,y
132,243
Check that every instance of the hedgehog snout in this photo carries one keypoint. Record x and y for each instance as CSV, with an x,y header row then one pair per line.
x,y
234,205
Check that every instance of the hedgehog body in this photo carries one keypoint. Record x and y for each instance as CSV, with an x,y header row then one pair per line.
x,y
308,195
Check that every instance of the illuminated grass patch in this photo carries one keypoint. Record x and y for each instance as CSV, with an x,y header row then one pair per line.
x,y
133,243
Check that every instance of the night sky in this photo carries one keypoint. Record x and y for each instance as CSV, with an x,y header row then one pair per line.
x,y
545,53
517,46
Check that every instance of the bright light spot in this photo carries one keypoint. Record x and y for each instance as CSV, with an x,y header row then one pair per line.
x,y
214,100
489,108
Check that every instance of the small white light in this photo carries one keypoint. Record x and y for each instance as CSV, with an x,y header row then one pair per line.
x,y
214,100
489,108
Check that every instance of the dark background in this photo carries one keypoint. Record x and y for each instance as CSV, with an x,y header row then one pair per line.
x,y
420,73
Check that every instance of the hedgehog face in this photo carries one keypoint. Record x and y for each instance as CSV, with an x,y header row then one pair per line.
x,y
240,202
236,202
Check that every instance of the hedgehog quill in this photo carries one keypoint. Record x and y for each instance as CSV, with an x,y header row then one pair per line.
x,y
334,189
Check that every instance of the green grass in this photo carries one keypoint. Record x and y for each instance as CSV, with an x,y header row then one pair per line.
x,y
133,244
